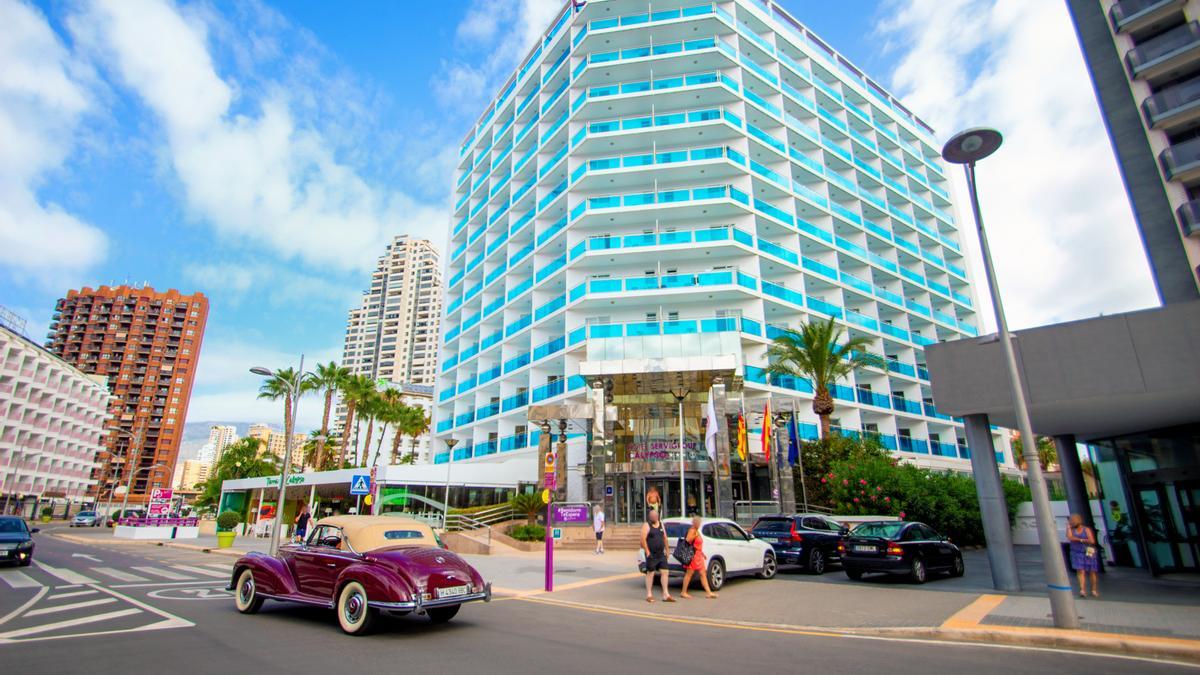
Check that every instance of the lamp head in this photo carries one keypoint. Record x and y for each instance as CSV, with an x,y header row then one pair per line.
x,y
971,145
451,442
259,370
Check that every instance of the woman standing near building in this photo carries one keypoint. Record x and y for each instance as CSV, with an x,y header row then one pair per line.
x,y
1085,555
698,561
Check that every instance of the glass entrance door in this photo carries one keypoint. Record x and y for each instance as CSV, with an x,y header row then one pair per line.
x,y
1171,521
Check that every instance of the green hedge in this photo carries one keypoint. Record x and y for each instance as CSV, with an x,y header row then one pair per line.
x,y
527,532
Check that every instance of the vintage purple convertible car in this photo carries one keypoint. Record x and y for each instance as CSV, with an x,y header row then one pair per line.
x,y
360,566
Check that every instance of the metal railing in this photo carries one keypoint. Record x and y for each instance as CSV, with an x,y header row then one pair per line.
x,y
457,522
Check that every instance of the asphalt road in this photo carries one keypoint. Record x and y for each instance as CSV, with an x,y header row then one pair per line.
x,y
122,609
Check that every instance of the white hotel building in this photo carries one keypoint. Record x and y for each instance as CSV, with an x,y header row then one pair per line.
x,y
52,416
681,180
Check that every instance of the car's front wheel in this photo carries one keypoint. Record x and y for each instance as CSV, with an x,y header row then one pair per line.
x,y
917,572
443,614
816,561
246,597
958,569
354,613
769,567
716,574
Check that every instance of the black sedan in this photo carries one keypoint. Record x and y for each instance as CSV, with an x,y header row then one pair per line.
x,y
908,549
16,544
809,540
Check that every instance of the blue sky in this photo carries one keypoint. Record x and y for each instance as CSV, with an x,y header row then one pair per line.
x,y
262,154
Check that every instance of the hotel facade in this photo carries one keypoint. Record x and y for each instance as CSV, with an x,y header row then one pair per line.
x,y
664,190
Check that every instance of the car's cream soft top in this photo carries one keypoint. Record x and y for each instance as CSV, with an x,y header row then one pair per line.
x,y
367,533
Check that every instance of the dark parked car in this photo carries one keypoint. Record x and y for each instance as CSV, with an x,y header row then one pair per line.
x,y
361,566
910,549
809,540
16,542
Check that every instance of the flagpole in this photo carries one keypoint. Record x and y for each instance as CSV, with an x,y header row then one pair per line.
x,y
799,453
746,459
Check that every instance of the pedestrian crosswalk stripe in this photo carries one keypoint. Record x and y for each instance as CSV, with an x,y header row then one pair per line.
x,y
220,566
69,607
200,570
66,575
117,574
47,627
17,579
160,572
69,594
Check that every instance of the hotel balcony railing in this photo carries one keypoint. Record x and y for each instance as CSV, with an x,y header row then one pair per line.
x,y
1189,218
1162,47
1180,158
1124,11
1171,101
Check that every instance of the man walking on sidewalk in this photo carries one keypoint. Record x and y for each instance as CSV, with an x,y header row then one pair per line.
x,y
598,527
654,544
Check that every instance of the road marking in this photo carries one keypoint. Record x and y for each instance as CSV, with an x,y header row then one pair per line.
x,y
973,614
18,579
67,608
28,603
44,628
118,574
86,557
65,574
226,568
70,594
201,570
160,572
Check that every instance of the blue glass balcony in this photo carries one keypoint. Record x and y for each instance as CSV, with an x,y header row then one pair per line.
x,y
549,390
904,405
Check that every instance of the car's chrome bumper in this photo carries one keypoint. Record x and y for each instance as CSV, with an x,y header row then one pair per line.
x,y
419,605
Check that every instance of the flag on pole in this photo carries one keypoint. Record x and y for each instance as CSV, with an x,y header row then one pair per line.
x,y
793,442
766,432
710,433
741,445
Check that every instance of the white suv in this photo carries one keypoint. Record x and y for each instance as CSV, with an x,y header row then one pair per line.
x,y
730,550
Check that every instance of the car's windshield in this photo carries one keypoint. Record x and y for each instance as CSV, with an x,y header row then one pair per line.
x,y
11,525
85,514
884,530
774,524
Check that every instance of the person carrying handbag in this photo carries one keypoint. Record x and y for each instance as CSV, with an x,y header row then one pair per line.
x,y
696,562
1085,554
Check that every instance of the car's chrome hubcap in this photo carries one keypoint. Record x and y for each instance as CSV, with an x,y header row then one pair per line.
x,y
354,608
246,592
769,565
818,562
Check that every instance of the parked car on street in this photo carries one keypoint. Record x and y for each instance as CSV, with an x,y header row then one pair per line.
x,y
910,549
809,540
127,513
730,550
361,566
85,519
16,541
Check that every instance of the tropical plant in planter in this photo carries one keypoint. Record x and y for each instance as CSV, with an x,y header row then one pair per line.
x,y
227,521
47,513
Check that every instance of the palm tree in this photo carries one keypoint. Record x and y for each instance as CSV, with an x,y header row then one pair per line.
x,y
369,408
314,451
280,386
415,424
355,389
402,414
388,407
328,379
813,352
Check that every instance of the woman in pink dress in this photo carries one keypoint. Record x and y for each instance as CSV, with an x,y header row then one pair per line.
x,y
698,561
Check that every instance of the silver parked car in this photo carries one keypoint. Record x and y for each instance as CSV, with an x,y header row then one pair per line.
x,y
85,519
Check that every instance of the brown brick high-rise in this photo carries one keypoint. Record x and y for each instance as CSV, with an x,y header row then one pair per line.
x,y
148,344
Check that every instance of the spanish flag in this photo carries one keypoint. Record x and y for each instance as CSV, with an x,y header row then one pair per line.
x,y
741,441
766,432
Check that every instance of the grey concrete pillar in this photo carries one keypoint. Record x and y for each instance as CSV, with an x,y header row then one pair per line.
x,y
992,507
722,474
787,485
1072,475
598,452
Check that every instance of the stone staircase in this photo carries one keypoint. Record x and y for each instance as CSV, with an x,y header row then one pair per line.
x,y
616,538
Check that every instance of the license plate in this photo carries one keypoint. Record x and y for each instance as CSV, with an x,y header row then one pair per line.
x,y
453,591
864,549
781,540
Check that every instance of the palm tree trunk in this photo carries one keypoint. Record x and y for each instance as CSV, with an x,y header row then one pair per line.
x,y
320,458
396,438
287,423
379,443
367,446
346,434
824,426
822,405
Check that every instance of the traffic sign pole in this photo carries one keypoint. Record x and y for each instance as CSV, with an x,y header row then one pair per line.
x,y
549,547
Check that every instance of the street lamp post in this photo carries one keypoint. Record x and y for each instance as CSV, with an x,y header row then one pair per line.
x,y
966,148
680,394
137,446
294,390
450,443
129,484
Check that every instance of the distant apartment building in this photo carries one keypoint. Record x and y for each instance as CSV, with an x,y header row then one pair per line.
x,y
147,344
1144,59
189,472
275,442
220,437
52,418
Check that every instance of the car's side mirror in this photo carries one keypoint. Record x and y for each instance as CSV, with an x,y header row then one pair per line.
x,y
844,531
35,530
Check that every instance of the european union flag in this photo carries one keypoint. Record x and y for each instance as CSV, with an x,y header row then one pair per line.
x,y
793,442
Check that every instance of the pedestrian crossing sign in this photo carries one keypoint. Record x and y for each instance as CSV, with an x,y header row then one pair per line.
x,y
360,484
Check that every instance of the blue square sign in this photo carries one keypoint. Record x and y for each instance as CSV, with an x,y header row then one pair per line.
x,y
608,490
360,484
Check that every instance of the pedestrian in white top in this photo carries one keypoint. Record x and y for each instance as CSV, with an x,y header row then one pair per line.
x,y
598,526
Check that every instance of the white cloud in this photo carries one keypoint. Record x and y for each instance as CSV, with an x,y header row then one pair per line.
x,y
258,280
250,166
42,99
1059,223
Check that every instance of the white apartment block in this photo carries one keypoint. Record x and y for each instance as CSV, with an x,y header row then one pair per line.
x,y
52,417
219,437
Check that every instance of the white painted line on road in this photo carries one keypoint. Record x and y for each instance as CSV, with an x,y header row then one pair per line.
x,y
65,574
160,572
224,567
201,570
118,574
69,594
28,603
18,579
69,607
44,628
